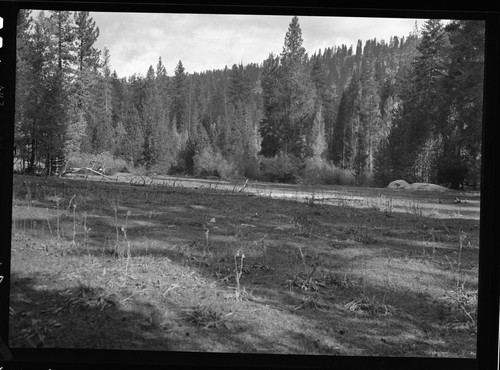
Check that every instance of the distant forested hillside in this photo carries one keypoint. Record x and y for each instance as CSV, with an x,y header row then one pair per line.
x,y
408,108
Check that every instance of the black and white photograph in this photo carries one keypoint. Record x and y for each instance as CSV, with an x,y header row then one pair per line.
x,y
247,183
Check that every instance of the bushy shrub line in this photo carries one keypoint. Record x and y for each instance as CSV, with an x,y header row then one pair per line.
x,y
210,163
283,168
103,162
319,172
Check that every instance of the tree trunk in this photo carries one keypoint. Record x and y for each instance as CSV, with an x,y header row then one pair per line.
x,y
48,165
31,164
370,153
59,25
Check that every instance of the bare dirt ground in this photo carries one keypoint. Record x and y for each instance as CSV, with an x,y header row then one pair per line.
x,y
199,267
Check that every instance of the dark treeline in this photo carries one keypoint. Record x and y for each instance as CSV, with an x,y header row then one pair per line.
x,y
410,108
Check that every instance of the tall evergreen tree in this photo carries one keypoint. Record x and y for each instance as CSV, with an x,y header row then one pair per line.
x,y
83,87
343,142
288,98
429,71
298,98
410,108
86,34
239,85
28,69
463,87
62,39
369,112
270,126
179,98
100,114
59,55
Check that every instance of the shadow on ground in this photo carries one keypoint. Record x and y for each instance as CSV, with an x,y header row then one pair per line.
x,y
82,317
346,316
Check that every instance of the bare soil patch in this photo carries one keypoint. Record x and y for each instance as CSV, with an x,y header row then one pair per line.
x,y
101,265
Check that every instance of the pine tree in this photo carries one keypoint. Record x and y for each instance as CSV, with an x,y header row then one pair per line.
x,y
240,136
369,112
288,98
62,39
100,114
57,59
430,104
270,126
293,52
179,97
27,73
429,70
410,108
159,150
86,34
421,106
132,148
343,144
84,83
239,85
462,91
297,102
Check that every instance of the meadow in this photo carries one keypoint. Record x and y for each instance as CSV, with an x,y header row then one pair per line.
x,y
179,268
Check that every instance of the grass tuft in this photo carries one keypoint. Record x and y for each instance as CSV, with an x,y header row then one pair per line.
x,y
205,316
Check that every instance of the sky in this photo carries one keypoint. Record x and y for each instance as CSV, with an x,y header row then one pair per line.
x,y
212,41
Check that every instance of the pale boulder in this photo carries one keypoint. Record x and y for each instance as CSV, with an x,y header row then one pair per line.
x,y
398,184
423,186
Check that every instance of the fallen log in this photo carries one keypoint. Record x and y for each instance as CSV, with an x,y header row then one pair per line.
x,y
80,169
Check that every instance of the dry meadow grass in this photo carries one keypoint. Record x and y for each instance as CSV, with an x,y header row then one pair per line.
x,y
176,269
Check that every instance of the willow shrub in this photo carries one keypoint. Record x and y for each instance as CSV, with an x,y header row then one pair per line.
x,y
104,162
319,172
208,163
280,168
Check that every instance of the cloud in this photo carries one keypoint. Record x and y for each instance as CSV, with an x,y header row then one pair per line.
x,y
203,41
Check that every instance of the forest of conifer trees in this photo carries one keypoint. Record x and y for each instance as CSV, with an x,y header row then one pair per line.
x,y
410,108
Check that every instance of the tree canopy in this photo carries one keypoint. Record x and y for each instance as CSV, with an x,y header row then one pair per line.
x,y
409,108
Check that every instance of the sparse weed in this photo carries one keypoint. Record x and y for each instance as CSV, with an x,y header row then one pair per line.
x,y
312,303
349,283
302,223
367,305
124,231
260,244
460,297
115,209
29,198
459,274
466,302
238,272
86,231
207,232
342,281
415,209
306,281
48,222
58,220
302,257
311,200
387,205
205,316
74,223
70,202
